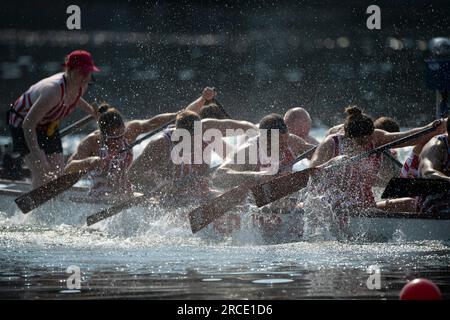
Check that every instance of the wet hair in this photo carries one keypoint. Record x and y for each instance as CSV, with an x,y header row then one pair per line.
x,y
212,111
273,121
386,124
357,124
186,120
103,107
110,118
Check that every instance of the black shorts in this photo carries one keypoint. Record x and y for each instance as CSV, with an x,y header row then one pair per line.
x,y
50,145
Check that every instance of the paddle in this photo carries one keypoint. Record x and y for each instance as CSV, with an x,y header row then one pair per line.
x,y
412,187
388,155
101,215
280,187
76,126
200,217
44,193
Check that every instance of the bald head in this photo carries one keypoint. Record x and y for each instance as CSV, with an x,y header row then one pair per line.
x,y
298,122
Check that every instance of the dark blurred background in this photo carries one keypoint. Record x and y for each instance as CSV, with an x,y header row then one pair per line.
x,y
261,56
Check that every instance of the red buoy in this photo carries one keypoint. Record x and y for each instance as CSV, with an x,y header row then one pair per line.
x,y
420,289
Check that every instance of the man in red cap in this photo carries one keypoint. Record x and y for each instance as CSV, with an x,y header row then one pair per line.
x,y
34,117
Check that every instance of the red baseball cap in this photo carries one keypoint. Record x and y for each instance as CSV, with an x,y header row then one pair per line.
x,y
81,60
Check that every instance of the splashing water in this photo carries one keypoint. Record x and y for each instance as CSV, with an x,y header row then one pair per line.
x,y
150,252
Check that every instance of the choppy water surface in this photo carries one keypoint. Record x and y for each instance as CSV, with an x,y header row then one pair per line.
x,y
152,254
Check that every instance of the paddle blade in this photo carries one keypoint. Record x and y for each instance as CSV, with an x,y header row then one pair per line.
x,y
42,194
200,217
104,214
281,187
413,187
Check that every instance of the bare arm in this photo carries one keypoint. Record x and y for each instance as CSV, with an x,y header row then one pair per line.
x,y
85,157
299,145
138,127
87,147
86,107
335,129
233,126
382,137
419,147
46,101
207,94
231,174
312,140
323,153
432,159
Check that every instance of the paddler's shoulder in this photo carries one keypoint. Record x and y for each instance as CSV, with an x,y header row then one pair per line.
x,y
438,143
335,130
330,141
296,141
92,138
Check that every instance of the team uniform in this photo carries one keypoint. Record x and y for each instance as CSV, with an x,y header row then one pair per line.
x,y
47,130
112,179
353,183
410,169
411,166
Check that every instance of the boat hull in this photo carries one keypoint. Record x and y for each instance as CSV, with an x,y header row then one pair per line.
x,y
295,226
270,226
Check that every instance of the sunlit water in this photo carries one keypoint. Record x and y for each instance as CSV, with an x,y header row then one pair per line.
x,y
153,254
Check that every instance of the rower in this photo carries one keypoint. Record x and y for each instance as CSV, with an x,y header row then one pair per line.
x,y
435,163
34,117
410,169
100,152
383,123
388,169
156,164
352,186
298,122
257,167
233,172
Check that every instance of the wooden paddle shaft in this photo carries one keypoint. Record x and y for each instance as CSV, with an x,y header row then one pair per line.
x,y
75,126
388,155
